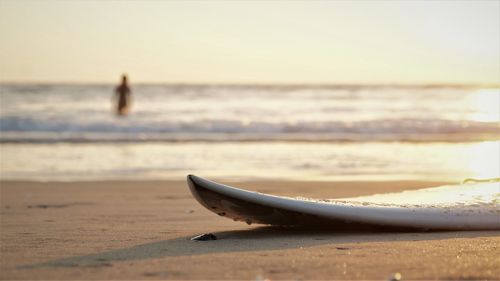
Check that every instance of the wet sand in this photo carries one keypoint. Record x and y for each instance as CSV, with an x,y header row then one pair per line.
x,y
141,230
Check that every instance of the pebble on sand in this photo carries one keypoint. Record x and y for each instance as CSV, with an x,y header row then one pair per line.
x,y
204,237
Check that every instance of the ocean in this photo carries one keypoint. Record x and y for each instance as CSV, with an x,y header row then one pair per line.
x,y
297,132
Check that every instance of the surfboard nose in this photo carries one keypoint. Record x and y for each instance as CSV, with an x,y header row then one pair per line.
x,y
195,187
190,177
191,180
193,183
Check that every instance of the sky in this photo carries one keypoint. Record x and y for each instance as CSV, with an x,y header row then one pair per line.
x,y
402,42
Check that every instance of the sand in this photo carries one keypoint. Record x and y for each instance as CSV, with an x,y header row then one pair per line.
x,y
141,230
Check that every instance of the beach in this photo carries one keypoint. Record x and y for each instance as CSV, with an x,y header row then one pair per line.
x,y
106,107
142,230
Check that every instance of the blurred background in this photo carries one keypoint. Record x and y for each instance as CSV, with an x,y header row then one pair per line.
x,y
324,90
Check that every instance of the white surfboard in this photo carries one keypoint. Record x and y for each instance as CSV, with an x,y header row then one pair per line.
x,y
471,206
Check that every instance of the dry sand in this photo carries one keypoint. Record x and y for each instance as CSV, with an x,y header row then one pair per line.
x,y
141,230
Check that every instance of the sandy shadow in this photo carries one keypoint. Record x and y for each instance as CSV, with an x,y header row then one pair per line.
x,y
257,239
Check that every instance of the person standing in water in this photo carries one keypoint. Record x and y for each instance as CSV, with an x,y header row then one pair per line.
x,y
123,97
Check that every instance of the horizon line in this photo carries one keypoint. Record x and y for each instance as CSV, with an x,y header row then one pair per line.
x,y
278,84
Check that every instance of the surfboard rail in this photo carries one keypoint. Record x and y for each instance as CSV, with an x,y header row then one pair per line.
x,y
384,211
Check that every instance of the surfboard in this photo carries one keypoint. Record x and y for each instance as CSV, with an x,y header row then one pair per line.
x,y
469,206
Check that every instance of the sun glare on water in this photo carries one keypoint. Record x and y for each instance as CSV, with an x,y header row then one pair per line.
x,y
483,160
485,105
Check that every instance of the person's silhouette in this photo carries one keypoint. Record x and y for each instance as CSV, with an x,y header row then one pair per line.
x,y
123,97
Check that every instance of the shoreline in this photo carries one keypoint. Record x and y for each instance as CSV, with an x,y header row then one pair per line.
x,y
251,161
141,230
